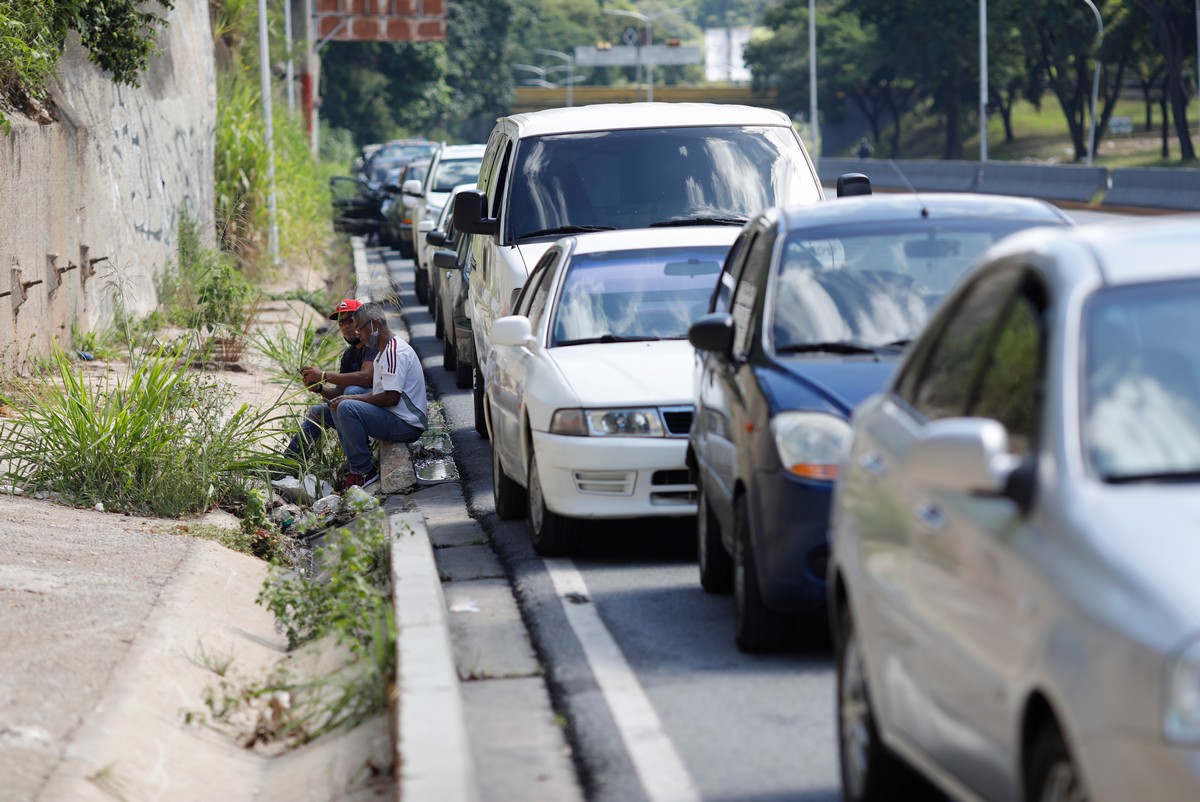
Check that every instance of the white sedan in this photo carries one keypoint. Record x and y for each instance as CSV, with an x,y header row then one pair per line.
x,y
589,387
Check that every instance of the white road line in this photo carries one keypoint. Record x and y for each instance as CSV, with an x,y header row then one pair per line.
x,y
659,767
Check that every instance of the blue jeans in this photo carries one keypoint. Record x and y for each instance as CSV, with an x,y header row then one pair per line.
x,y
318,418
356,421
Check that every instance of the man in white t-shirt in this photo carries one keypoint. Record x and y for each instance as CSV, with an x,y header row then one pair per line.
x,y
394,410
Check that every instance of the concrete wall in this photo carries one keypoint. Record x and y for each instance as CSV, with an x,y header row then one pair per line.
x,y
109,179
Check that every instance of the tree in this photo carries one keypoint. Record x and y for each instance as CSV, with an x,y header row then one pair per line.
x,y
1173,24
933,43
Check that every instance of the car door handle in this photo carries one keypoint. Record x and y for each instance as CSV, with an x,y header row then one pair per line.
x,y
929,515
872,463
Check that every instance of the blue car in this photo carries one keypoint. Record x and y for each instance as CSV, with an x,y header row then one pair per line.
x,y
811,313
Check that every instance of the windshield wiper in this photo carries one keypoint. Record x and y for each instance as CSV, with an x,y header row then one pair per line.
x,y
835,347
563,230
700,221
1171,476
611,338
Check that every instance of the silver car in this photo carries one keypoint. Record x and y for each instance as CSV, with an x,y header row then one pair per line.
x,y
1014,581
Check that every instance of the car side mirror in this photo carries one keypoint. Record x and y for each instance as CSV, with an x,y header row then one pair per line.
x,y
514,330
411,187
436,238
968,455
713,332
470,213
446,260
851,184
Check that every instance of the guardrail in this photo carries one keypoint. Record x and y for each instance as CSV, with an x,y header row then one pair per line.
x,y
1160,188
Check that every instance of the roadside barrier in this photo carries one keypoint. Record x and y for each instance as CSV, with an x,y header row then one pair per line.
x,y
1150,188
1155,187
1067,182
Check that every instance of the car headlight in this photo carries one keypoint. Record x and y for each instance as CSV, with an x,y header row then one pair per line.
x,y
1181,716
810,444
607,422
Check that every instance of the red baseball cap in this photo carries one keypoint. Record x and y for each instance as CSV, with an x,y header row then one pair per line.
x,y
347,306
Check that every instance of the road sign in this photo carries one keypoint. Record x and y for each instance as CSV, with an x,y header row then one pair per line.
x,y
631,37
628,56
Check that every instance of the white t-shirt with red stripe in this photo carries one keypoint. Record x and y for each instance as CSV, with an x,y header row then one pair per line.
x,y
397,367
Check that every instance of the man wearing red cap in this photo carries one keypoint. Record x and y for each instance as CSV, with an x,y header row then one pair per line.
x,y
354,376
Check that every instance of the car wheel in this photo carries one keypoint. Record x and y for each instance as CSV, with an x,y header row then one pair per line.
x,y
1053,775
477,392
464,374
449,355
508,495
439,326
405,248
433,304
870,771
421,286
716,566
758,627
546,527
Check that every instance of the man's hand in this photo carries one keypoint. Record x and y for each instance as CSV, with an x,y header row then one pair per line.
x,y
312,378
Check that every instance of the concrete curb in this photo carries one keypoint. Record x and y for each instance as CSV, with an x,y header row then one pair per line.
x,y
432,749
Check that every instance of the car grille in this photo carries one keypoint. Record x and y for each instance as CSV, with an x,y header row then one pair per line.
x,y
678,420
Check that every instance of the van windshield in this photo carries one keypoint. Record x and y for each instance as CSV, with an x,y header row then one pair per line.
x,y
645,177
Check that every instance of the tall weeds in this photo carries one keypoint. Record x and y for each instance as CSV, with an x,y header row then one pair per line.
x,y
159,440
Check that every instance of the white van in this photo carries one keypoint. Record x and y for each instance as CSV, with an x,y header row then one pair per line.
x,y
550,173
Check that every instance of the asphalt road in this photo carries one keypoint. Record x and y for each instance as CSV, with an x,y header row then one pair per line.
x,y
659,701
675,711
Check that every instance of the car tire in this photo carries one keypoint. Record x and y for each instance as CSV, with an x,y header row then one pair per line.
x,y
421,286
449,355
1052,776
464,374
716,566
439,325
547,529
870,771
406,248
477,392
758,627
509,496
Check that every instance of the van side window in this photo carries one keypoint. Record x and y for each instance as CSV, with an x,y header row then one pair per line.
x,y
497,196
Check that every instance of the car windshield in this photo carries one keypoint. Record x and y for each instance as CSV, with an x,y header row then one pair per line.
x,y
643,177
452,172
872,286
1141,392
649,294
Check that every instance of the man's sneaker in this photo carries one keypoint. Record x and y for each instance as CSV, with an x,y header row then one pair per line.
x,y
371,478
352,479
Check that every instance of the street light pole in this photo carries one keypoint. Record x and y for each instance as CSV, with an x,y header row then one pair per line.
x,y
570,60
812,81
983,82
1095,79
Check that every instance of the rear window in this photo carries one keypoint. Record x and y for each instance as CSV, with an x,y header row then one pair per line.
x,y
654,176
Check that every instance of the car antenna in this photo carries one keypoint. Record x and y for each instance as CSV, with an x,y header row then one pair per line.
x,y
903,177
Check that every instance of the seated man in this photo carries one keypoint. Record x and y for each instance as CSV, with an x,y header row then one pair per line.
x,y
354,376
394,410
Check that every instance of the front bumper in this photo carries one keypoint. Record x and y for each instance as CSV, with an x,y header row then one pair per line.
x,y
790,518
617,477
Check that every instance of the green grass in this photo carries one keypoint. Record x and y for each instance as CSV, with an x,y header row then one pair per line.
x,y
1042,135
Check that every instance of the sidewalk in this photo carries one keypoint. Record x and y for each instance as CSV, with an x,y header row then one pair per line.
x,y
110,625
